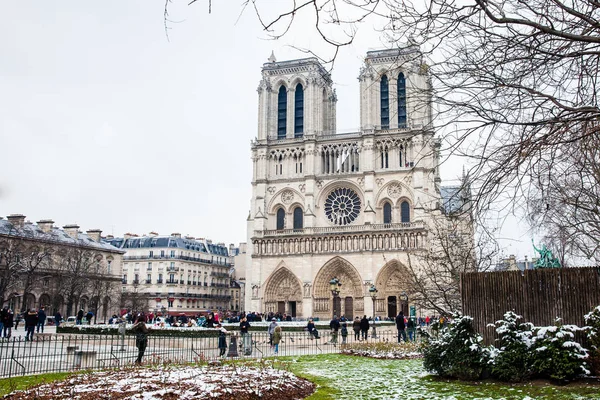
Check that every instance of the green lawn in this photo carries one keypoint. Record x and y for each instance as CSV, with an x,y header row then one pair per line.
x,y
350,377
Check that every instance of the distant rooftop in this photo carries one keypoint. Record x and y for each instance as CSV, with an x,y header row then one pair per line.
x,y
172,241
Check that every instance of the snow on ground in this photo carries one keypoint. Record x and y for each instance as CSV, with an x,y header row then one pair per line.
x,y
169,382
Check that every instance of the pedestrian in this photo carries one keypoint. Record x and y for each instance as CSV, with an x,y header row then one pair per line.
x,y
271,330
344,332
57,319
41,320
79,317
312,330
356,328
3,315
411,328
246,338
141,337
17,320
31,320
427,320
8,323
401,326
334,325
277,338
222,340
364,327
89,316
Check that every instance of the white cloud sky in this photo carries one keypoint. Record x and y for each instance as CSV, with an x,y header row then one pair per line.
x,y
108,124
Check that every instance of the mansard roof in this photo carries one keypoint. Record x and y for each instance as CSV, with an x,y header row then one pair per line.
x,y
30,231
169,241
453,199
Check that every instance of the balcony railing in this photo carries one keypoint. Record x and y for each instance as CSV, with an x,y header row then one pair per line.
x,y
148,280
185,258
170,282
124,281
159,281
136,282
403,226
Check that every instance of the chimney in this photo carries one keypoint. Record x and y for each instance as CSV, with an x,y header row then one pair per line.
x,y
72,230
176,235
128,235
45,225
189,237
16,220
152,234
110,237
95,234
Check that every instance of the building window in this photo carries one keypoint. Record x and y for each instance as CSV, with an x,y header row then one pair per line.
x,y
404,212
298,222
109,266
281,112
401,101
46,282
299,111
385,102
384,158
169,303
150,266
171,277
387,213
280,219
162,253
172,253
172,266
148,278
151,253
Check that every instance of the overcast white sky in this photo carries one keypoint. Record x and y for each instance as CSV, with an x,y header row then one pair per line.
x,y
107,124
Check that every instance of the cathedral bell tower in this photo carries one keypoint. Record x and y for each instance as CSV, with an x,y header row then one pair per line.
x,y
295,98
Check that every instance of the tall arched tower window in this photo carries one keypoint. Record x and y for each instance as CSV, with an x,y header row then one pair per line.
x,y
401,101
298,222
387,213
281,112
299,111
404,212
385,102
280,219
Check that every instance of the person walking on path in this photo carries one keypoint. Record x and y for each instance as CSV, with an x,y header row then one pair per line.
x,y
364,327
79,317
41,320
411,327
57,319
277,338
8,323
222,340
312,330
246,338
344,332
31,320
335,327
356,328
141,337
401,326
271,330
3,315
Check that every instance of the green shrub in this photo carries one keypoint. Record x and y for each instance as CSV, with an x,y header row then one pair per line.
x,y
592,321
511,360
457,352
555,354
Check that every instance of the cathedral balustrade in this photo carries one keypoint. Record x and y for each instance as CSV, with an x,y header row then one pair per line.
x,y
417,225
299,242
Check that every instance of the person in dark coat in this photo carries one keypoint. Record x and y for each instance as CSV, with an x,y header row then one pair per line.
x,y
31,320
222,340
364,327
312,330
8,323
141,337
246,338
41,320
334,324
210,321
79,317
401,326
57,319
356,328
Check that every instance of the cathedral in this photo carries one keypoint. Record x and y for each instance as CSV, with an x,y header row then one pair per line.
x,y
343,208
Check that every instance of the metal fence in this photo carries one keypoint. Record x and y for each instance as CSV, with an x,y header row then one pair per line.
x,y
64,353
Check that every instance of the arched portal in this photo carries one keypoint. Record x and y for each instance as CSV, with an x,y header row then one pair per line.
x,y
349,302
392,282
283,293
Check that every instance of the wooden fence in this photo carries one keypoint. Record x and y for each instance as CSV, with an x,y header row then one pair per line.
x,y
538,295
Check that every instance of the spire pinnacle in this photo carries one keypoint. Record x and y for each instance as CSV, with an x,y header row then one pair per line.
x,y
272,58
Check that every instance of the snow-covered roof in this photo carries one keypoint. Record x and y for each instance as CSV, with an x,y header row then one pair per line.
x,y
168,241
54,234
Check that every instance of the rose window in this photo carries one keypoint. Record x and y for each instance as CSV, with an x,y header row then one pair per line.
x,y
342,206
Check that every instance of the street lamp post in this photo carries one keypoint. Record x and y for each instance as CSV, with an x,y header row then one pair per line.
x,y
373,293
335,285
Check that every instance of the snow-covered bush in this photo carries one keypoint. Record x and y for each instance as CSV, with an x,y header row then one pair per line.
x,y
555,354
592,321
457,352
511,360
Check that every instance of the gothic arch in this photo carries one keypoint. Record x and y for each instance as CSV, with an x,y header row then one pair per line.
x,y
392,280
283,288
351,291
278,83
276,201
298,79
340,183
383,194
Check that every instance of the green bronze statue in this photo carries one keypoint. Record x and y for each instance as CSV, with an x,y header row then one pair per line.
x,y
546,259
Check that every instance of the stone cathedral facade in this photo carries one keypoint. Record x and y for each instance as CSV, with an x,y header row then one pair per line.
x,y
349,205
